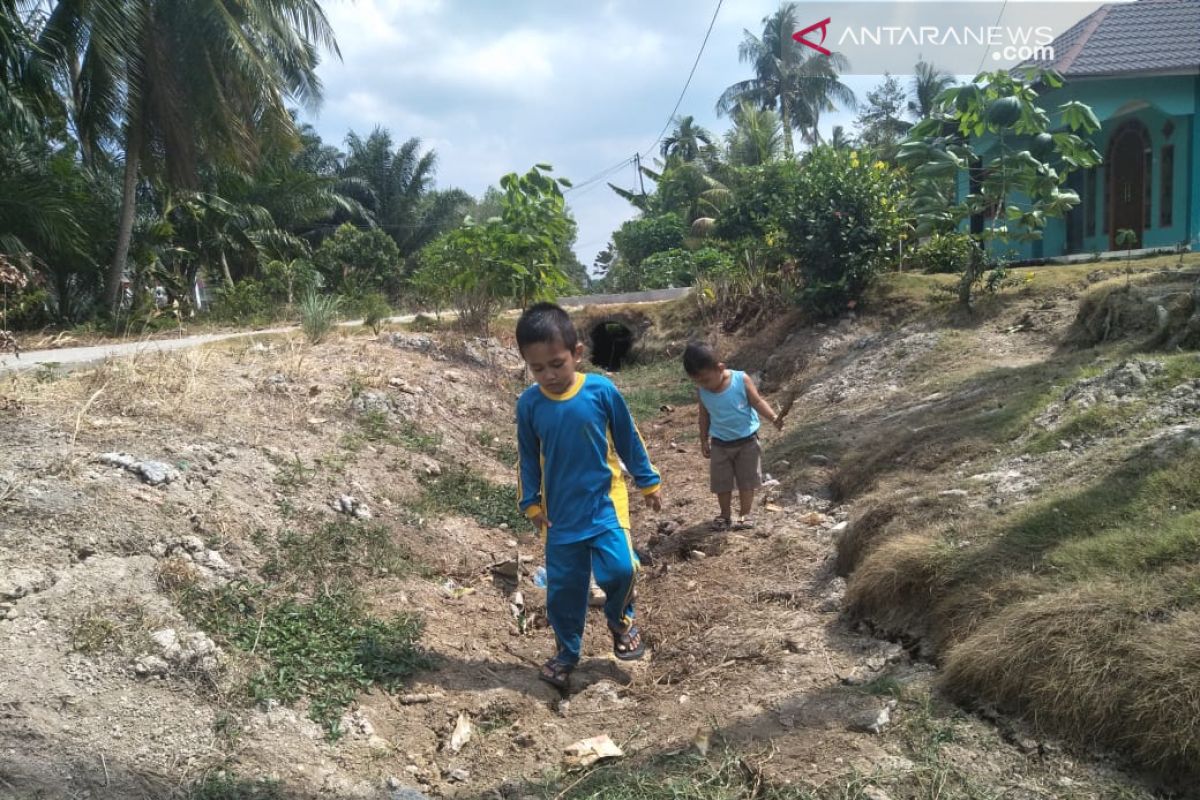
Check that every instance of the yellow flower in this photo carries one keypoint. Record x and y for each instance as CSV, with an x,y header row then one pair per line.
x,y
880,165
903,236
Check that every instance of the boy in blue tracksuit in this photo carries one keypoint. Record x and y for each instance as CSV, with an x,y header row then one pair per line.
x,y
571,428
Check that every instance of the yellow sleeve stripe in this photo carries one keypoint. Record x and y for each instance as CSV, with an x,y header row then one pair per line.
x,y
649,490
533,511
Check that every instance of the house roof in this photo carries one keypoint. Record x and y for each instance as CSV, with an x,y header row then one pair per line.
x,y
1155,36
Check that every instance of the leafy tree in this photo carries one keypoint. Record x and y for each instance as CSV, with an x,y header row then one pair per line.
x,y
181,83
802,87
880,122
927,85
995,138
358,261
637,239
679,267
686,141
515,256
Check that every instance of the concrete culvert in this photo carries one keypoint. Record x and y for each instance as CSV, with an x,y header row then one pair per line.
x,y
612,343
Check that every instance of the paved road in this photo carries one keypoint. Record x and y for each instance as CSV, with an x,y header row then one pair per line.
x,y
76,356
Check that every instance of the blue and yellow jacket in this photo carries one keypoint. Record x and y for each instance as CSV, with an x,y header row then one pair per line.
x,y
569,445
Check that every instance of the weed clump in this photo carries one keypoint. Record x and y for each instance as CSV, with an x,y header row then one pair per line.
x,y
325,650
460,491
318,314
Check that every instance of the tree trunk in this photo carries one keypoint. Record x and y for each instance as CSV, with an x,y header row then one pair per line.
x,y
225,270
133,146
785,113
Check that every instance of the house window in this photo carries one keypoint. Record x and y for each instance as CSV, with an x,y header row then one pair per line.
x,y
1089,202
1166,187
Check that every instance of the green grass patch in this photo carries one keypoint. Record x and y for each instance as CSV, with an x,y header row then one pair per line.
x,y
459,491
325,650
377,427
225,786
1101,420
649,387
293,474
502,447
723,776
338,550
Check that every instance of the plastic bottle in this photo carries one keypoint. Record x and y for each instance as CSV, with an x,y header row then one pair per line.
x,y
539,577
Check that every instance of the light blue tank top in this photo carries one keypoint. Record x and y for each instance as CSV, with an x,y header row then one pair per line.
x,y
731,417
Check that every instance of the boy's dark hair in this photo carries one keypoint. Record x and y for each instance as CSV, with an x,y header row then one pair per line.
x,y
698,357
548,323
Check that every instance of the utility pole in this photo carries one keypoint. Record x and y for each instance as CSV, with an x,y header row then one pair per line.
x,y
637,162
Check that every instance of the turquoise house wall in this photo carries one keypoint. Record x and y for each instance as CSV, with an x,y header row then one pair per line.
x,y
1152,101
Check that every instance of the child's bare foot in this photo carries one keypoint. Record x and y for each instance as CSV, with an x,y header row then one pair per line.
x,y
721,524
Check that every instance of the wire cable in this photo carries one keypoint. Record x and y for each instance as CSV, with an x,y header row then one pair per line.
x,y
988,49
696,63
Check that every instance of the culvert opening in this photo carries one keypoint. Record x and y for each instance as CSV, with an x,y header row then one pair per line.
x,y
612,343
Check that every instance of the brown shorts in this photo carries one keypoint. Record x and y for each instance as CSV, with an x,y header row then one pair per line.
x,y
735,466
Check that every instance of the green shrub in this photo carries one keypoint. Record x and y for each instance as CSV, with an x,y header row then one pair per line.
x,y
825,227
245,302
284,280
638,239
375,311
318,314
943,253
679,267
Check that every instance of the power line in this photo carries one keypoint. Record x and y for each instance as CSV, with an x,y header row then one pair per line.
x,y
598,176
696,63
988,49
636,157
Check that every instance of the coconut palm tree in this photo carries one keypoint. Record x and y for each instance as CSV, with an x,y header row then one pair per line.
x,y
184,81
786,78
928,82
756,137
840,140
687,141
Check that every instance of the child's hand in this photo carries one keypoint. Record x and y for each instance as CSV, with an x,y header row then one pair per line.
x,y
706,448
654,501
540,522
778,422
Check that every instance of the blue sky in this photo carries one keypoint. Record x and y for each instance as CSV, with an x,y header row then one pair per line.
x,y
496,87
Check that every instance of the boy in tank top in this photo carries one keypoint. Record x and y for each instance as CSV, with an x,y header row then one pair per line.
x,y
729,419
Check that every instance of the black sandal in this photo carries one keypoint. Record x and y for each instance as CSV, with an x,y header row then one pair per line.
x,y
556,673
628,644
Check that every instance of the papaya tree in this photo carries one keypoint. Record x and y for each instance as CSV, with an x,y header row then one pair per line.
x,y
994,137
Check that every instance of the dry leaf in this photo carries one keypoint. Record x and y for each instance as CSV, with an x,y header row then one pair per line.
x,y
462,732
700,741
588,751
317,420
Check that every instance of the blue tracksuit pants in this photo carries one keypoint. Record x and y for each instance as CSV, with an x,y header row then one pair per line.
x,y
569,568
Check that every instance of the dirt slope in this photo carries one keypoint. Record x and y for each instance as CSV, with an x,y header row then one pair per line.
x,y
273,443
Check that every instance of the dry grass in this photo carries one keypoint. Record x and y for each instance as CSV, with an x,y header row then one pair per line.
x,y
1112,663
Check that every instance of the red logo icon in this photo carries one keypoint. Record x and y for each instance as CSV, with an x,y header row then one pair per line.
x,y
823,25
